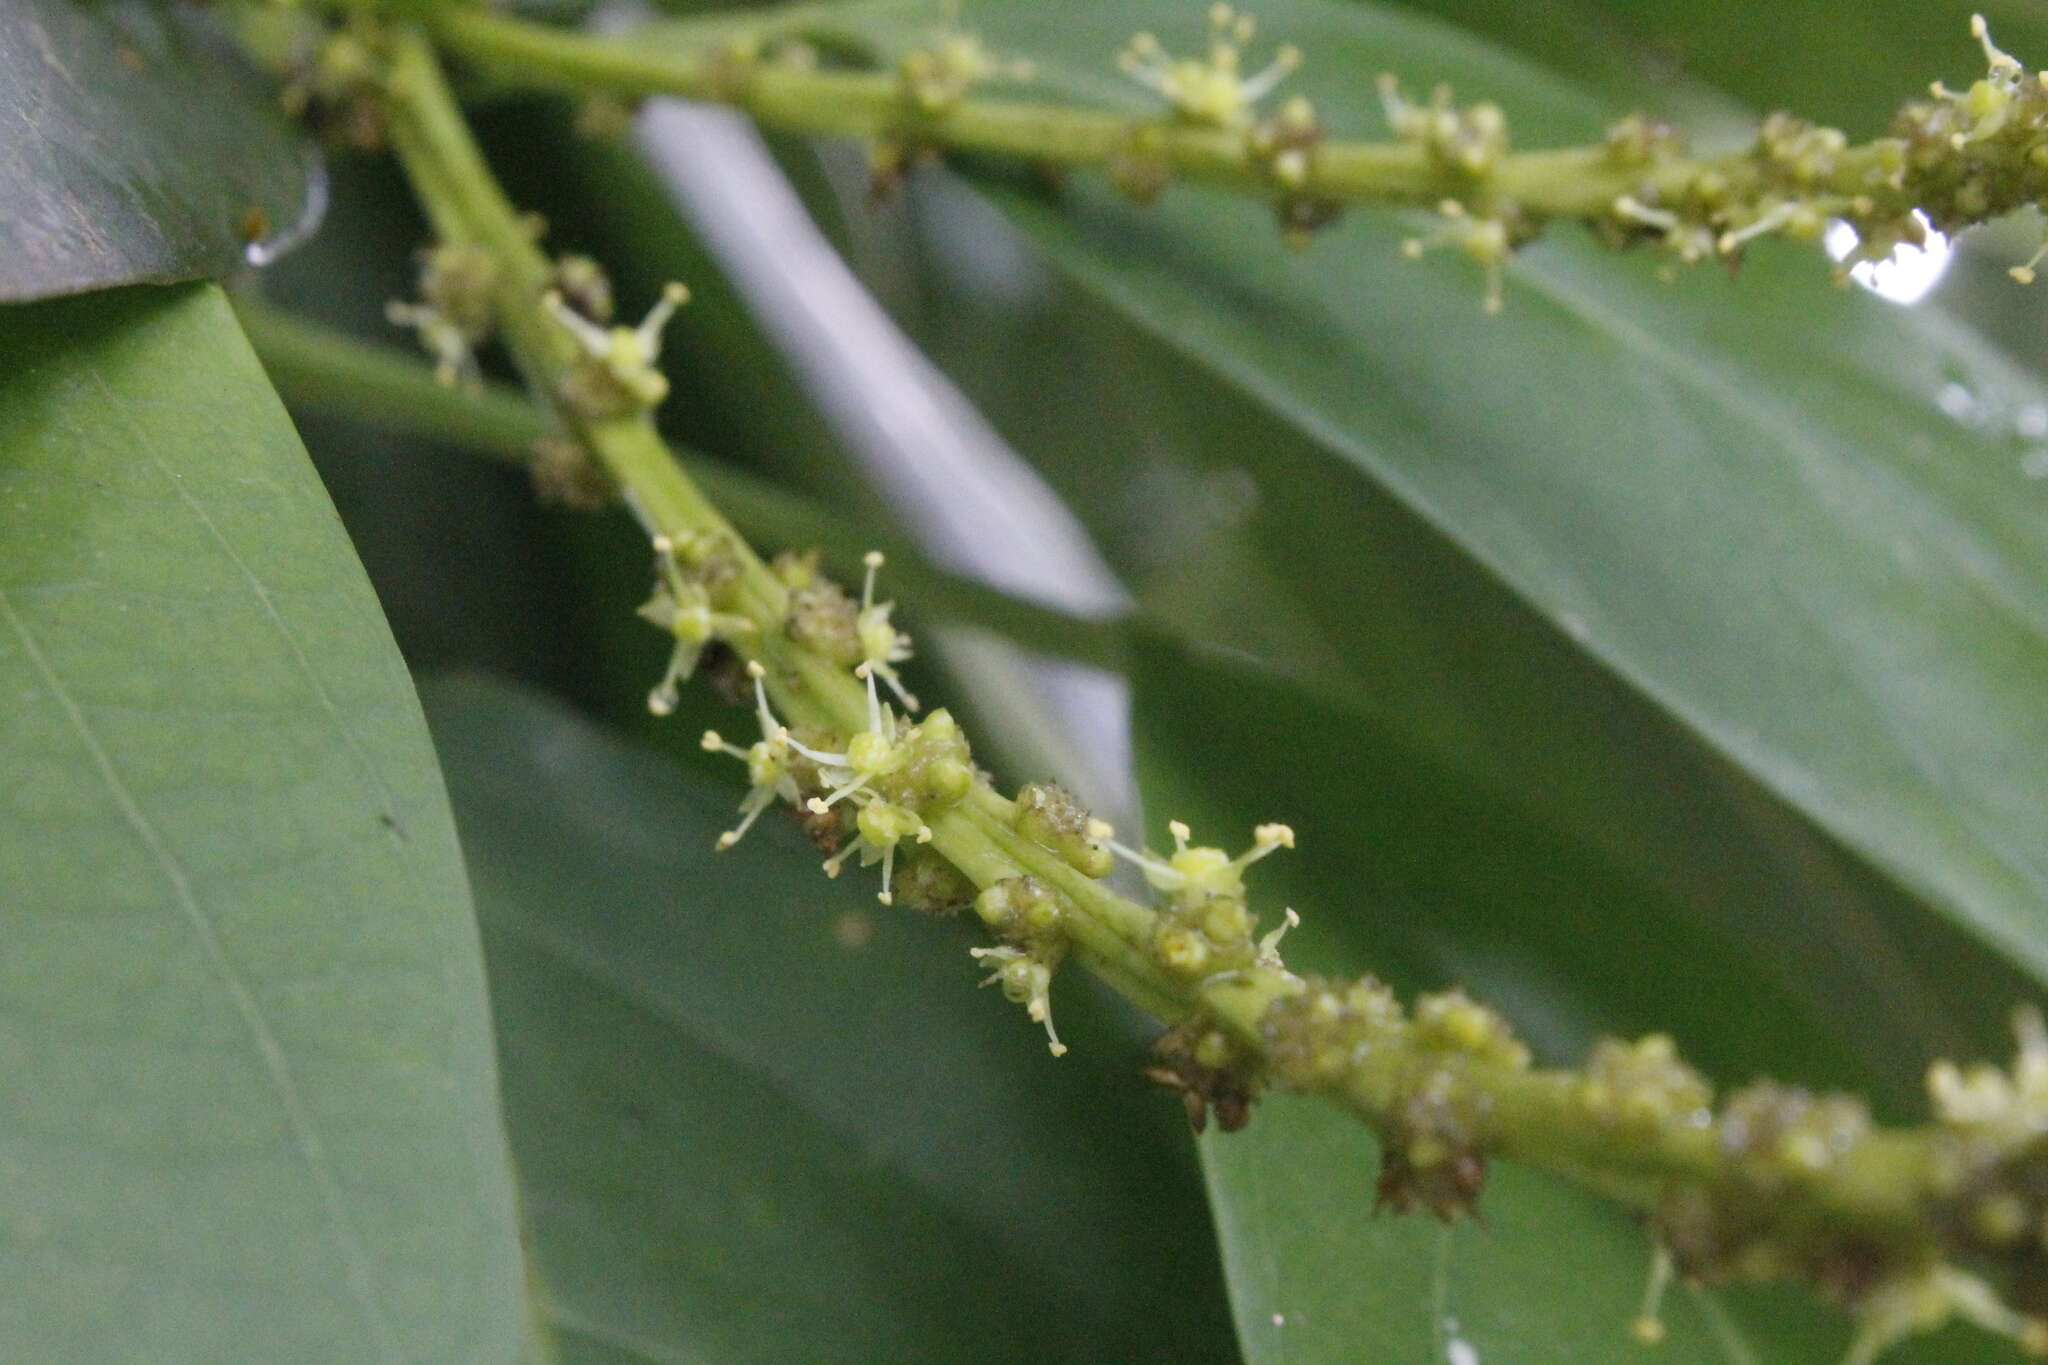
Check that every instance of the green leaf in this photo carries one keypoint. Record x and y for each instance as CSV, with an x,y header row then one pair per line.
x,y
760,1118
137,149
252,1107
1409,868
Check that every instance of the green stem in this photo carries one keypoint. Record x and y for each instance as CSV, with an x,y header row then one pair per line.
x,y
1808,1210
1574,182
319,368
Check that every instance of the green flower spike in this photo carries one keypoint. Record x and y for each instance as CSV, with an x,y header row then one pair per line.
x,y
1211,91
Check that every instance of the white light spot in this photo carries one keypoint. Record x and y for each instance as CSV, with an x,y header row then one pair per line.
x,y
2035,464
1906,276
1457,1350
1279,1319
2032,422
1956,401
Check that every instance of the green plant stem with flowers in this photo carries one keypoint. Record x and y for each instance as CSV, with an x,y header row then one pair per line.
x,y
1951,161
1904,1227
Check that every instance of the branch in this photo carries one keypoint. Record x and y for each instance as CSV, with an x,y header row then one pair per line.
x,y
1906,1227
1953,161
319,368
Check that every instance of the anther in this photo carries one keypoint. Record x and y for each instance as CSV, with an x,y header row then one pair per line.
x,y
2025,273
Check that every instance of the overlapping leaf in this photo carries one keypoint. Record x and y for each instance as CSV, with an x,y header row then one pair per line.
x,y
134,147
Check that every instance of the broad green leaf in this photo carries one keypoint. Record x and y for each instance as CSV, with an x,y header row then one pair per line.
x,y
1408,868
759,1117
252,1106
134,148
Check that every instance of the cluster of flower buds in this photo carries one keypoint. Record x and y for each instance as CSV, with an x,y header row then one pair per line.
x,y
1435,1135
1466,142
1210,1071
733,64
1967,156
457,309
1050,816
1026,914
1643,1087
1985,1099
1204,927
1487,241
337,87
1994,1177
881,780
1779,1135
935,78
1283,145
620,374
1212,90
685,604
1994,1207
931,82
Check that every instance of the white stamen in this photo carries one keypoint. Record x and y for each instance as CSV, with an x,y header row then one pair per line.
x,y
1269,946
1768,223
594,338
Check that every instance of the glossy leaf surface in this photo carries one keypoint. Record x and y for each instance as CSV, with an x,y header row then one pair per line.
x,y
135,148
252,1104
